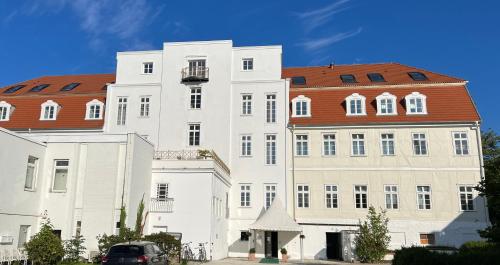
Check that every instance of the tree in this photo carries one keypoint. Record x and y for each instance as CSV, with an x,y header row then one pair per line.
x,y
74,248
373,238
138,220
45,247
123,216
489,187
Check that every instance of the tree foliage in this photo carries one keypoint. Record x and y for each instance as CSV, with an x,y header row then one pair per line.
x,y
123,217
166,242
74,248
45,247
138,220
373,238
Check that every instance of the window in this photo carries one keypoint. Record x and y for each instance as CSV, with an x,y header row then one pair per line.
x,y
329,145
270,149
39,88
270,194
271,108
194,134
246,104
391,197
348,78
31,171
418,76
162,191
245,195
386,104
144,108
301,145
331,196
302,196
387,140
70,87
419,144
424,197
355,104
461,143
244,236
122,111
24,235
49,110
197,68
301,106
78,229
60,175
466,197
246,145
358,144
13,89
94,110
195,102
427,239
247,64
298,80
416,103
5,111
147,68
376,77
361,196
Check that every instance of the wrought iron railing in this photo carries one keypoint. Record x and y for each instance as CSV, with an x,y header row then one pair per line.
x,y
195,74
160,205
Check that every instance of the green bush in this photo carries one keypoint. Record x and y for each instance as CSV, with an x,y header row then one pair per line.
x,y
476,246
373,238
74,248
471,254
166,242
104,242
45,247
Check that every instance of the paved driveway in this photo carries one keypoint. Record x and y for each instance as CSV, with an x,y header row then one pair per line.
x,y
242,261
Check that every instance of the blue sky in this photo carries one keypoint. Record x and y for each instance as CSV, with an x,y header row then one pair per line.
x,y
460,38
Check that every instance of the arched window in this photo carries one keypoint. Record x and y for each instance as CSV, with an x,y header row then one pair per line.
x,y
416,103
386,104
355,104
301,106
49,110
95,109
5,111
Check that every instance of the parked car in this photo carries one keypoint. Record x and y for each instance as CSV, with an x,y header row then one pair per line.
x,y
136,252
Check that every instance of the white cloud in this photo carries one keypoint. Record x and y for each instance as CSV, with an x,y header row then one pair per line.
x,y
318,17
320,43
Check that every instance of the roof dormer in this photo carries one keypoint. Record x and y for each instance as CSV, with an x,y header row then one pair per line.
x,y
5,111
355,105
386,104
301,106
49,111
94,110
416,103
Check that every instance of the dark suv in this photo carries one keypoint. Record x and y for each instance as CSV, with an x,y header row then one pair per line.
x,y
139,252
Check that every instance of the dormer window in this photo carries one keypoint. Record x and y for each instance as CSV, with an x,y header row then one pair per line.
x,y
348,78
416,103
355,104
49,110
147,68
94,110
301,106
418,76
386,104
5,109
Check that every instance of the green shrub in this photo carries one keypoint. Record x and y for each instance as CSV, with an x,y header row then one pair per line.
x,y
104,242
166,242
45,247
74,248
476,246
373,238
472,255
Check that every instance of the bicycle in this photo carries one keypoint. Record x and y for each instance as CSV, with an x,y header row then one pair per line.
x,y
202,253
187,253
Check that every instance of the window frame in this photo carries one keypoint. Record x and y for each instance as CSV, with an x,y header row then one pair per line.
x,y
88,110
360,193
271,108
466,193
303,192
391,193
34,179
415,96
427,234
167,191
247,201
301,99
387,97
424,193
272,161
49,104
194,134
305,141
7,110
271,192
364,144
247,64
248,149
121,113
55,167
467,145
246,104
331,192
334,144
197,96
144,106
355,96
382,151
147,70
426,144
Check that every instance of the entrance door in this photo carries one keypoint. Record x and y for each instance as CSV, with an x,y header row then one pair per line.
x,y
333,246
271,244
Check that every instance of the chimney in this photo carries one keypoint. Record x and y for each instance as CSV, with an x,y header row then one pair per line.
x,y
331,65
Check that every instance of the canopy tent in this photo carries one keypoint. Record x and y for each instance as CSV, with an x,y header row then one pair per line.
x,y
276,219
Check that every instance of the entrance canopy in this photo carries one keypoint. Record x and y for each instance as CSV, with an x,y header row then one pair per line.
x,y
276,219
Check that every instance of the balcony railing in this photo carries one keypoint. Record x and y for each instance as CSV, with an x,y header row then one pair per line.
x,y
195,74
161,205
191,155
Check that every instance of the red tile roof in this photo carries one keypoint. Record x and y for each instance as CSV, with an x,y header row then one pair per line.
x,y
26,114
447,98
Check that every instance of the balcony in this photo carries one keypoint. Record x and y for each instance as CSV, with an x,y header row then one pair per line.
x,y
161,205
195,74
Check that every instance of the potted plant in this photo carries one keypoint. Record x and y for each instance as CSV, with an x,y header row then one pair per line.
x,y
284,256
251,254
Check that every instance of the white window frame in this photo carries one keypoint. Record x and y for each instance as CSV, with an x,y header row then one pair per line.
x,y
247,64
466,192
424,193
330,141
194,131
389,190
355,96
413,139
246,104
416,96
195,98
270,156
54,175
360,192
358,141
463,141
271,108
147,68
5,111
121,114
34,167
302,199
144,106
55,110
386,98
245,195
167,190
301,99
270,191
91,110
382,141
331,192
304,141
246,145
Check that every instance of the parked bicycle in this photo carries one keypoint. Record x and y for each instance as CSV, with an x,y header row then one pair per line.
x,y
186,252
202,252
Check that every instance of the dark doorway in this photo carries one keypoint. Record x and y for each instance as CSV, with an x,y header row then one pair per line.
x,y
271,244
333,246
